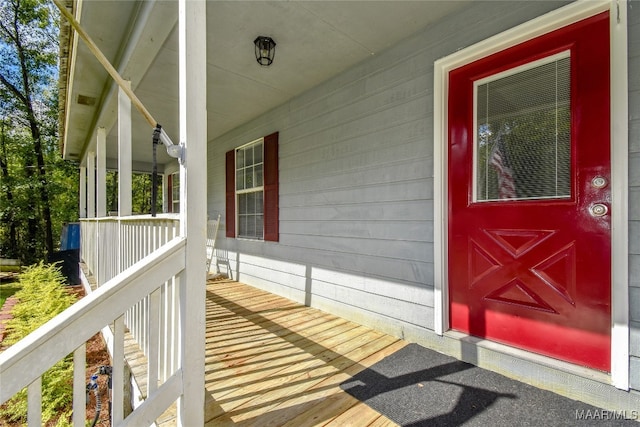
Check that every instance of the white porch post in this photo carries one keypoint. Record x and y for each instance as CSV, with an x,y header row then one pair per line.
x,y
165,191
83,193
124,153
101,175
192,27
91,185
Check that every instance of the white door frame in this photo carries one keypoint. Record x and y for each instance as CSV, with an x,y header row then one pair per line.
x,y
619,154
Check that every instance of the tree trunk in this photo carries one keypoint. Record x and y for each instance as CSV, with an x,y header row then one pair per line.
x,y
42,183
37,148
9,217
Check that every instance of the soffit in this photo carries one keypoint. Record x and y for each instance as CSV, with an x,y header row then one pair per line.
x,y
316,40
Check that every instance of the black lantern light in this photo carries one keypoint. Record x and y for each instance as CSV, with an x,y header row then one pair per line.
x,y
265,50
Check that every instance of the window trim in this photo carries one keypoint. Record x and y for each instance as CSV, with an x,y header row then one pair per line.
x,y
270,187
254,189
549,59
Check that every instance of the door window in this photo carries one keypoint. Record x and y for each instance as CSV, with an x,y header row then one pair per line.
x,y
522,140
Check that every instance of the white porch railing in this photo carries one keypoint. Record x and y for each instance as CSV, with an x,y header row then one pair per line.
x,y
23,364
157,268
110,245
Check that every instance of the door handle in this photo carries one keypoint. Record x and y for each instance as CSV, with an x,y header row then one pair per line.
x,y
598,209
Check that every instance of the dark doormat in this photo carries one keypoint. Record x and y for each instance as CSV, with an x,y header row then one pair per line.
x,y
416,386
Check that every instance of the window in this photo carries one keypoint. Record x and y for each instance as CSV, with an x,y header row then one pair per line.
x,y
175,192
249,190
252,190
523,132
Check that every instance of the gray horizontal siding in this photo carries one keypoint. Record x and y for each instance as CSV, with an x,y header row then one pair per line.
x,y
356,181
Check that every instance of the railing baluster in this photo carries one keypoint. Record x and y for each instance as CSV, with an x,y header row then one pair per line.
x,y
144,326
79,391
117,398
153,339
155,316
177,283
155,333
162,343
135,323
34,402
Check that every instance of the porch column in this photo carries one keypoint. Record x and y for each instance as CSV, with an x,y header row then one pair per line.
x,y
91,185
165,192
82,208
101,173
192,29
124,153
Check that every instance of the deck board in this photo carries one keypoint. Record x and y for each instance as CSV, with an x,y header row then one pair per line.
x,y
273,362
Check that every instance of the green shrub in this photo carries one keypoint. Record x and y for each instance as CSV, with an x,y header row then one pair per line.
x,y
42,296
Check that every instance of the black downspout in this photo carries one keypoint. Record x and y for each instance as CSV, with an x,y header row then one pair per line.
x,y
154,175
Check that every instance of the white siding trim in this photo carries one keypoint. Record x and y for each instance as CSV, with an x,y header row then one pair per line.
x,y
83,192
101,173
619,196
619,175
91,184
192,36
124,153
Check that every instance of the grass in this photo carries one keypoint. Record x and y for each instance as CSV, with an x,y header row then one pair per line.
x,y
11,268
8,289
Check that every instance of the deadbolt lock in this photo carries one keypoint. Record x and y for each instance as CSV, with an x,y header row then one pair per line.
x,y
598,209
599,182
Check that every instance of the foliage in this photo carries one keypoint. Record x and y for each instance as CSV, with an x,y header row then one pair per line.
x,y
140,189
42,296
6,290
38,190
42,292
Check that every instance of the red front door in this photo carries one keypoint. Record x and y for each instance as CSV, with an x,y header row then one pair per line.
x,y
529,195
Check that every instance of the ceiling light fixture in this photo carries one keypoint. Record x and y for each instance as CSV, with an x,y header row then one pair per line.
x,y
265,50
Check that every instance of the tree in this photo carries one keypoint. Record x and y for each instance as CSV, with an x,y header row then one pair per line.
x,y
33,174
141,193
9,217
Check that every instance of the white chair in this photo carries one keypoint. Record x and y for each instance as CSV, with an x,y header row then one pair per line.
x,y
212,232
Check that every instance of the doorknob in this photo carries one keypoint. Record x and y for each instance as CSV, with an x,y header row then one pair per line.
x,y
598,209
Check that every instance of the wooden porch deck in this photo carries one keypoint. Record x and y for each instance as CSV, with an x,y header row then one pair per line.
x,y
273,362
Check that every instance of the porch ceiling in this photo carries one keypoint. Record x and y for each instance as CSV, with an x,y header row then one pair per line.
x,y
315,41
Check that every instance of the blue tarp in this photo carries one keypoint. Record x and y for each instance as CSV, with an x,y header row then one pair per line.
x,y
70,238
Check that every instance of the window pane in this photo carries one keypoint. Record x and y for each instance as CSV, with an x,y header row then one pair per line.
x,y
248,176
251,226
259,227
259,196
242,204
242,222
239,158
523,145
257,153
251,203
248,156
258,175
239,180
